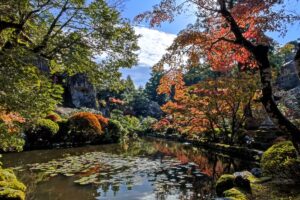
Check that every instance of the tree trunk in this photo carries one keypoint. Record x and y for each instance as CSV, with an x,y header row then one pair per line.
x,y
261,55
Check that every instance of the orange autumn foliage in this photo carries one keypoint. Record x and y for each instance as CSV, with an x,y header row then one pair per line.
x,y
216,31
116,101
90,120
209,104
11,120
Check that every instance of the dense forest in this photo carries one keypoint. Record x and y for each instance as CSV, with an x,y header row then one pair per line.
x,y
218,118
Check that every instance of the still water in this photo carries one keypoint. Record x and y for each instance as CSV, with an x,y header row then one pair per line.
x,y
140,170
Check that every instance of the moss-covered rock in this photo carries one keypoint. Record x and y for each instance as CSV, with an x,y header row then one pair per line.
x,y
281,161
225,182
235,194
10,187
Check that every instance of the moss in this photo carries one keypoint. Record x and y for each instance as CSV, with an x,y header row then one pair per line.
x,y
281,161
225,182
48,126
235,194
10,187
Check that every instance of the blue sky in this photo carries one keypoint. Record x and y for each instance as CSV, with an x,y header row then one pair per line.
x,y
154,41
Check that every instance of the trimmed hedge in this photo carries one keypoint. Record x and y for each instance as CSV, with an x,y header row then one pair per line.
x,y
42,133
86,127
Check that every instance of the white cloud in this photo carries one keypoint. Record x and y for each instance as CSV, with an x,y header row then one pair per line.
x,y
153,44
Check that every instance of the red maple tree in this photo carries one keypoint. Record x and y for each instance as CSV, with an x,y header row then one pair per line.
x,y
229,33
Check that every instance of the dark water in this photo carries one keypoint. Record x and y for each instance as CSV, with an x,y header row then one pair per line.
x,y
146,169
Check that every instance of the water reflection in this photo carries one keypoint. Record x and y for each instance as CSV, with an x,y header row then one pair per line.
x,y
145,169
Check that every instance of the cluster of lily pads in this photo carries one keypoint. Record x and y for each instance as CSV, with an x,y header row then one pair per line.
x,y
100,168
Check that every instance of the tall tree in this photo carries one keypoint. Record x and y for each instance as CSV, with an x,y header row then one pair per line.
x,y
228,32
61,36
152,87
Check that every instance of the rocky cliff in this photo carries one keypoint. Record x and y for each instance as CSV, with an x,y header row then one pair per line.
x,y
79,92
287,86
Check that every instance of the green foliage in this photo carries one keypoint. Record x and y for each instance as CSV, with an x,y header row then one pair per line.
x,y
130,123
39,39
152,86
42,133
147,123
199,73
114,131
138,102
11,188
235,194
10,141
281,161
25,89
225,182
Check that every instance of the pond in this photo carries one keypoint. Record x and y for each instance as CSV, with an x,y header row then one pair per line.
x,y
144,169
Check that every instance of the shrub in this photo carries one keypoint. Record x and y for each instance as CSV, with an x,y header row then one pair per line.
x,y
114,131
10,141
130,123
147,123
281,161
63,133
11,138
42,132
11,188
85,127
102,120
54,117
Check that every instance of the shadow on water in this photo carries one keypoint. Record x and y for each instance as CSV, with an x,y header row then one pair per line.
x,y
144,169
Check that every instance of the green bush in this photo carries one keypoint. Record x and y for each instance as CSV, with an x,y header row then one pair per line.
x,y
42,132
114,131
63,135
130,123
147,123
281,161
11,188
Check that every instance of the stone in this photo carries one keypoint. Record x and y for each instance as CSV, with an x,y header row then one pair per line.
x,y
288,78
225,182
79,92
242,183
257,172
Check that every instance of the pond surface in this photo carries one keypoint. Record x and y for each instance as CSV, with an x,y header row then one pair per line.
x,y
146,169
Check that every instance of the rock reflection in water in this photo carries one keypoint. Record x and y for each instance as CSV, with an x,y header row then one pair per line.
x,y
146,169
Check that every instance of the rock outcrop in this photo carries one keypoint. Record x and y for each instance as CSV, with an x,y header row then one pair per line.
x,y
79,92
288,85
